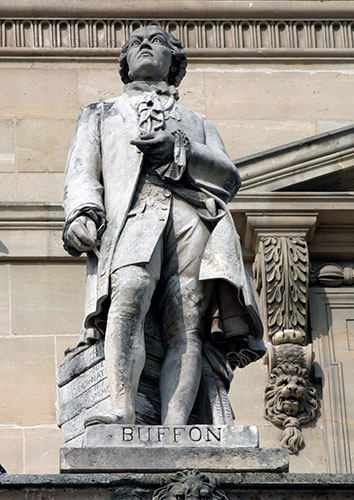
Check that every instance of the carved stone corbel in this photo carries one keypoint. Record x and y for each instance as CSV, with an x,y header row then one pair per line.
x,y
188,485
281,274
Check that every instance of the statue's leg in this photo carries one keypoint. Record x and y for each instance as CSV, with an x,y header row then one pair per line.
x,y
184,301
132,288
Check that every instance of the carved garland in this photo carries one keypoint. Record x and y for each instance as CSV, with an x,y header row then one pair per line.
x,y
281,274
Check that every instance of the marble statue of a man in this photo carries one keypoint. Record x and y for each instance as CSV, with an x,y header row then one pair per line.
x,y
146,187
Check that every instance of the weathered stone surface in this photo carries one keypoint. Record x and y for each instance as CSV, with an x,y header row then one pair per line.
x,y
223,436
28,396
24,239
41,450
94,86
230,93
62,343
242,137
46,299
72,367
12,439
7,145
75,425
89,398
248,486
156,459
38,93
5,323
31,187
82,383
43,143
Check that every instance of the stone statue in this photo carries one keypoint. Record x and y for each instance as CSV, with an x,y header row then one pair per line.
x,y
146,188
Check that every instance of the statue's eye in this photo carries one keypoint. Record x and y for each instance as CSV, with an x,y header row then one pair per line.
x,y
135,43
157,40
179,497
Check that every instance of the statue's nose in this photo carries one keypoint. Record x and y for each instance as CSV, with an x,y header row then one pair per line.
x,y
145,44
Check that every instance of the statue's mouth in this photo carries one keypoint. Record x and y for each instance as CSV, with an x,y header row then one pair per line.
x,y
145,53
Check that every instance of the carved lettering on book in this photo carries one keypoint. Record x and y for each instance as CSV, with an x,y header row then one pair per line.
x,y
188,485
281,276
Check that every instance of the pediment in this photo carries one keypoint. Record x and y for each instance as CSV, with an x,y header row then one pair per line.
x,y
324,162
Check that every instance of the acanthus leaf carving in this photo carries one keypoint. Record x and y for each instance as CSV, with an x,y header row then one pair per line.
x,y
286,273
281,276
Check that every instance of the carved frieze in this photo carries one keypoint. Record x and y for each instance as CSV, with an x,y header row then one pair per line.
x,y
225,37
188,485
281,275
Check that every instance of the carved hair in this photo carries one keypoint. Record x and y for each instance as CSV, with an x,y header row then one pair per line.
x,y
178,63
190,482
290,370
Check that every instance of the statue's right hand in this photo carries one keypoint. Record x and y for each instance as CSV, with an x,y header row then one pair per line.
x,y
82,234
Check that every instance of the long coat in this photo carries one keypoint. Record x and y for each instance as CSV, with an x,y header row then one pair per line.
x,y
102,172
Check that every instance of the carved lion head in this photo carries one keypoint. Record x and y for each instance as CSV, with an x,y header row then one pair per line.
x,y
290,398
189,486
287,391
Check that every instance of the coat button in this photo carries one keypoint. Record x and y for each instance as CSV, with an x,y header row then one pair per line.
x,y
167,193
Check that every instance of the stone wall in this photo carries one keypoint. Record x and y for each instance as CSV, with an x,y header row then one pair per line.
x,y
248,486
255,105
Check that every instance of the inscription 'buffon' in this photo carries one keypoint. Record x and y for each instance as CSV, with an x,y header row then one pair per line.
x,y
177,434
224,436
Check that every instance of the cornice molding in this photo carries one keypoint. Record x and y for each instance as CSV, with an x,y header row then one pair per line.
x,y
32,231
299,161
169,9
223,30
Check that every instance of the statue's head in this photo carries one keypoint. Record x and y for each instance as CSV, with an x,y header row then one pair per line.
x,y
152,54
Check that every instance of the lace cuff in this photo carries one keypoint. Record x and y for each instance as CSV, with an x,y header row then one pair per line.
x,y
175,169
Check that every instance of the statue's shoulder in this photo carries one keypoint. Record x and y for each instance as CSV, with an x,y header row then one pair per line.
x,y
114,105
102,108
195,118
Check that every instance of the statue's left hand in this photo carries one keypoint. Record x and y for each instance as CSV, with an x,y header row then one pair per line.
x,y
157,147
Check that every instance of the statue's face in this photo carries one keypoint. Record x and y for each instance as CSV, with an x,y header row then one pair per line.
x,y
149,55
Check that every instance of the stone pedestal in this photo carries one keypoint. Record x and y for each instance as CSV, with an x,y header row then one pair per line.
x,y
168,459
148,447
138,448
